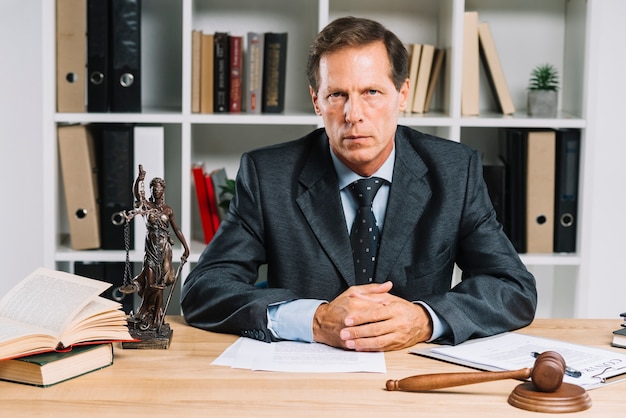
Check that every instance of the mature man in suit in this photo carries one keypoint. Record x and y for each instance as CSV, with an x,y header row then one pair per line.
x,y
294,210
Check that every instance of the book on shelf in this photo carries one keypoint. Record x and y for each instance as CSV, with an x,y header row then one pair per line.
x,y
435,75
219,179
77,155
47,369
196,67
423,77
205,205
493,69
207,67
415,51
71,55
566,190
221,73
471,63
274,72
236,73
51,310
254,71
540,177
213,200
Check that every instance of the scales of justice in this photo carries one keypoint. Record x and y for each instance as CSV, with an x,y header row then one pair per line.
x,y
147,325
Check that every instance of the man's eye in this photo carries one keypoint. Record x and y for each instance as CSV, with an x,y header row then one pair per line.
x,y
372,92
336,94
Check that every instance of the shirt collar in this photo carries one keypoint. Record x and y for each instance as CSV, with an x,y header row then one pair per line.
x,y
347,176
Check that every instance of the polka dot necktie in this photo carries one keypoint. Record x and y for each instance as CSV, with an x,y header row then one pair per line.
x,y
364,233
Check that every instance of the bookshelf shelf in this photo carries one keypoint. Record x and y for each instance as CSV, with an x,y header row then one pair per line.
x,y
558,36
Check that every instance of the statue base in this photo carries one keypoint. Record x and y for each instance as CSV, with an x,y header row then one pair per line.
x,y
149,339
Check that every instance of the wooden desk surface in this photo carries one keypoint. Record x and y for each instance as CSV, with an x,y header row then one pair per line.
x,y
180,382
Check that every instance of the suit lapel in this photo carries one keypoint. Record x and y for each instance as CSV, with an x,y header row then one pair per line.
x,y
408,196
321,206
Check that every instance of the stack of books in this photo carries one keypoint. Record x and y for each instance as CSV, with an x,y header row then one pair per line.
x,y
55,327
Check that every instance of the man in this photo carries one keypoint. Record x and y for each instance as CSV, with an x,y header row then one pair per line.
x,y
294,210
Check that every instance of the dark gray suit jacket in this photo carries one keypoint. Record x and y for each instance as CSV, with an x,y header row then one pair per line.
x,y
287,213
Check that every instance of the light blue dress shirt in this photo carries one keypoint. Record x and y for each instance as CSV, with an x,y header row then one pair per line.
x,y
293,320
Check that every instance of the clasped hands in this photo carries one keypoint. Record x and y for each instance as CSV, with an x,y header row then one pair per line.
x,y
369,318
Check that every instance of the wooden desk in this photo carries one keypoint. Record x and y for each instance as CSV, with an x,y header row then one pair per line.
x,y
180,382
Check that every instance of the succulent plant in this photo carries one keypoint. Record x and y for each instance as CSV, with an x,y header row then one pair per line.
x,y
544,77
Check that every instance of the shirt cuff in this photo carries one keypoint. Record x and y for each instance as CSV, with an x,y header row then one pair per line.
x,y
293,320
440,327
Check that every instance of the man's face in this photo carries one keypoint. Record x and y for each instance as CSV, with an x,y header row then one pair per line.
x,y
359,105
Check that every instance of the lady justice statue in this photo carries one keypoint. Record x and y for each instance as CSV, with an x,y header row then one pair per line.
x,y
157,271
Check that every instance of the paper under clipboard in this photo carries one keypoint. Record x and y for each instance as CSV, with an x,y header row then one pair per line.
x,y
512,351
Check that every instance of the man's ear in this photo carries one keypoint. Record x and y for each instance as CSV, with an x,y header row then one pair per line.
x,y
314,101
404,96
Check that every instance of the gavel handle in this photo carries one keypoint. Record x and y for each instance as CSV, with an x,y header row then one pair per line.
x,y
425,382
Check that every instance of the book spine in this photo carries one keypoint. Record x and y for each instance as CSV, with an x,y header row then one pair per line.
x,y
274,72
254,72
221,73
196,66
236,68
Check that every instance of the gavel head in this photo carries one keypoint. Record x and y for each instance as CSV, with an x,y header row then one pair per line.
x,y
547,374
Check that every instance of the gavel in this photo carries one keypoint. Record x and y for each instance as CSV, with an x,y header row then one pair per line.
x,y
546,376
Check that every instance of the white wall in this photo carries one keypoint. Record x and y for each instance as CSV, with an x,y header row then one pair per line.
x,y
21,174
604,294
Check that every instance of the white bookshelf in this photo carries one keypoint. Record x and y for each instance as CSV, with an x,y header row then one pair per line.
x,y
526,33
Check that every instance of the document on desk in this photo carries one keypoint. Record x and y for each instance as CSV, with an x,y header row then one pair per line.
x,y
292,356
511,351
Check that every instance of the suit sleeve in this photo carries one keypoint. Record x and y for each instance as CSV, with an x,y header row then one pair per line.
x,y
497,293
219,294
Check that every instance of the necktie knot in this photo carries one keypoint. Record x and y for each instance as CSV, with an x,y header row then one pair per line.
x,y
364,190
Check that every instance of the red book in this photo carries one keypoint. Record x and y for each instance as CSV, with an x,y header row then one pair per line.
x,y
204,205
213,201
236,67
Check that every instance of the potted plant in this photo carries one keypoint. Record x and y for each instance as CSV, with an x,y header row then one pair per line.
x,y
543,91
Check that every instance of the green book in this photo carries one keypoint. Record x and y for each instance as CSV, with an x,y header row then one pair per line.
x,y
49,368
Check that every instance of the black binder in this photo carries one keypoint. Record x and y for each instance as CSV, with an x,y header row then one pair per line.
x,y
566,189
97,56
126,55
513,152
115,162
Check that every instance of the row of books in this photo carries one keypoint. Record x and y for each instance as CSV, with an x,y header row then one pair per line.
x,y
98,55
232,74
425,67
213,197
478,45
534,188
99,164
34,350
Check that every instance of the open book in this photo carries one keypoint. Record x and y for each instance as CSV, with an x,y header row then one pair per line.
x,y
53,310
